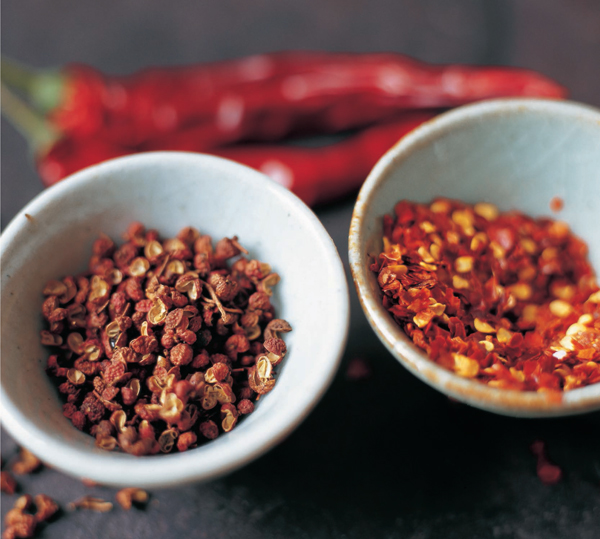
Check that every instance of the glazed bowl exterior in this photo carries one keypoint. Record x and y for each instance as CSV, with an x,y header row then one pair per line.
x,y
517,154
52,237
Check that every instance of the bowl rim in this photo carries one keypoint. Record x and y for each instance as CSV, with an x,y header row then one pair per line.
x,y
119,469
502,401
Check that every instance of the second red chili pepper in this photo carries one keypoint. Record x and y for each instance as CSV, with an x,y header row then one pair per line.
x,y
327,173
316,175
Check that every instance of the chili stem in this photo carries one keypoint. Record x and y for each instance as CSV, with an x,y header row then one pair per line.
x,y
43,88
27,121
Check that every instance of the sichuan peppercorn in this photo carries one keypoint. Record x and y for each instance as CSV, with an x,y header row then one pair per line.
x,y
159,361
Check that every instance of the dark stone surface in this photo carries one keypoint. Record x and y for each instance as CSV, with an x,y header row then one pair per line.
x,y
383,457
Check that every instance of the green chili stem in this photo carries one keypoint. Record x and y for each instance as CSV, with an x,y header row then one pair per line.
x,y
44,88
27,121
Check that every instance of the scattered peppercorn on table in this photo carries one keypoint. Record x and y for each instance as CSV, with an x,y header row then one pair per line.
x,y
383,455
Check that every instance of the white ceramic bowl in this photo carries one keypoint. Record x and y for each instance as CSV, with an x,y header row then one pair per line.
x,y
517,154
167,191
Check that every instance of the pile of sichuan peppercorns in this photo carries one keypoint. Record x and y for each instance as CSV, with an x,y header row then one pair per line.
x,y
163,344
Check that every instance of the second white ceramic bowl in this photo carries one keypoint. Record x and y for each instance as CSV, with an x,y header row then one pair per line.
x,y
52,237
517,154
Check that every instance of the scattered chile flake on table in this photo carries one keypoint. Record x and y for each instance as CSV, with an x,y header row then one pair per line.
x,y
503,298
548,473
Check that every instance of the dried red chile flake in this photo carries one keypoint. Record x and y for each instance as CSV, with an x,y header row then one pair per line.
x,y
503,298
548,473
163,344
8,483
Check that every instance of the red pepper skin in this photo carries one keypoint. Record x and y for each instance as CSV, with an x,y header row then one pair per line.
x,y
267,97
82,110
160,100
321,175
71,154
316,175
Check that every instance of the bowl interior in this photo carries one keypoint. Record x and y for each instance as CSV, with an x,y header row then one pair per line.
x,y
517,154
168,191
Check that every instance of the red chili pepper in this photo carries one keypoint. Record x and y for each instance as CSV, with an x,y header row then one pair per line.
x,y
323,174
70,154
56,156
82,108
316,175
271,96
335,94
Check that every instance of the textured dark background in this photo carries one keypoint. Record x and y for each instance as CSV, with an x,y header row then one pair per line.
x,y
387,456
